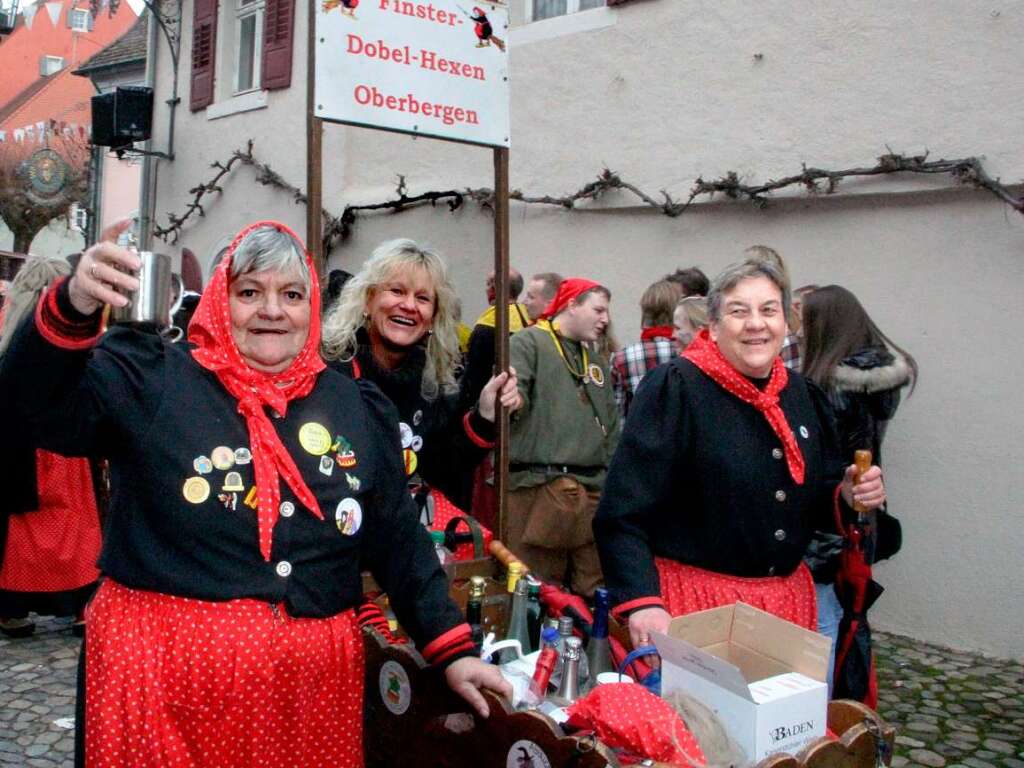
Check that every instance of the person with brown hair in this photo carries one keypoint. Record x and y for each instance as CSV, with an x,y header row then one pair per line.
x,y
691,281
631,364
562,438
862,372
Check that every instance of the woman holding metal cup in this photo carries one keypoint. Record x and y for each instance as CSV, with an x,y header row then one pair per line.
x,y
250,486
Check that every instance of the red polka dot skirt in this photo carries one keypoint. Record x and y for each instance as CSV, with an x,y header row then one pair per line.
x,y
174,681
54,548
686,589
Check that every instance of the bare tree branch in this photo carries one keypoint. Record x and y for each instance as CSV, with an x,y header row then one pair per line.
x,y
967,170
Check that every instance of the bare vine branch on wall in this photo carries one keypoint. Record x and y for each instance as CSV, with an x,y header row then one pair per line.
x,y
967,170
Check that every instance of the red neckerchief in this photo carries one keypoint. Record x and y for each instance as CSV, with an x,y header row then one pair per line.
x,y
568,289
706,355
657,332
210,331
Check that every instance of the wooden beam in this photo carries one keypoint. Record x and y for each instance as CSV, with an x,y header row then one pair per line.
x,y
501,280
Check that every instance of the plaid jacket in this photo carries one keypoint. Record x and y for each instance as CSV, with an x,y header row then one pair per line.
x,y
790,353
629,365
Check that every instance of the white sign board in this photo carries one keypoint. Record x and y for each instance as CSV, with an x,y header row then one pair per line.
x,y
426,67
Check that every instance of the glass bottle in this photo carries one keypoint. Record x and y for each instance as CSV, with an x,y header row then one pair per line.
x,y
534,614
599,654
518,628
515,572
474,610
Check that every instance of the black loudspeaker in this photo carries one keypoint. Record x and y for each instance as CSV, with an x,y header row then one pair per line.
x,y
122,116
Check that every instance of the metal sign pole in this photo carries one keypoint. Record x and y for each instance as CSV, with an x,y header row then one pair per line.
x,y
314,152
501,329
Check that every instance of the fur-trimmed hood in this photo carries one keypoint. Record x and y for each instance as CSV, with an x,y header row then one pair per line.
x,y
871,370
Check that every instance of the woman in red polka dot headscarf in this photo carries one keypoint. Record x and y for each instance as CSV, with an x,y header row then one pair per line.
x,y
250,486
727,464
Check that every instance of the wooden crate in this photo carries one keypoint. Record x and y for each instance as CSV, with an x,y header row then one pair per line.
x,y
412,718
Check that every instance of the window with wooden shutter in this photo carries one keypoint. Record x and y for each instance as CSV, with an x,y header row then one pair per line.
x,y
278,34
204,41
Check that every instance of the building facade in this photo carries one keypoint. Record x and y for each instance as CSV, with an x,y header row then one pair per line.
x,y
664,92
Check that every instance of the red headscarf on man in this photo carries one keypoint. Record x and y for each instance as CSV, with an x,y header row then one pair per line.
x,y
210,331
569,289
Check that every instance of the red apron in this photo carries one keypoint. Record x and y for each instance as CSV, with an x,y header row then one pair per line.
x,y
184,682
686,589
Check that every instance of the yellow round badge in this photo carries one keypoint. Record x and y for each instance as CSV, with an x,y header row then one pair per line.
x,y
196,490
411,461
315,438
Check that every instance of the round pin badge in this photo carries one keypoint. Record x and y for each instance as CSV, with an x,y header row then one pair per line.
x,y
395,688
243,456
406,432
202,465
222,457
417,443
314,438
524,753
196,490
595,374
803,432
348,516
411,462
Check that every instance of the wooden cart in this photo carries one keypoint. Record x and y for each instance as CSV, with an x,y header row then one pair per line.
x,y
412,718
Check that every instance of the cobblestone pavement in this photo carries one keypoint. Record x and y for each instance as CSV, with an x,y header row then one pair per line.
x,y
951,709
37,697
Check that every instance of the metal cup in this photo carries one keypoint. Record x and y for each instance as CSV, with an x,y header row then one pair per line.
x,y
151,304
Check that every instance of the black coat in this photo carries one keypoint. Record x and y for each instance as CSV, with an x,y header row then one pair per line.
x,y
447,457
699,477
864,392
160,419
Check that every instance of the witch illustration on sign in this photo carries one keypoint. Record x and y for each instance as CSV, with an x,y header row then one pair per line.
x,y
483,29
348,7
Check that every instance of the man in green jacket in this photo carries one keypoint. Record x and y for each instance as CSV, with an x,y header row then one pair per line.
x,y
562,438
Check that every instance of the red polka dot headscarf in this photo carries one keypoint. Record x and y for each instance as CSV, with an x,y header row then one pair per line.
x,y
215,350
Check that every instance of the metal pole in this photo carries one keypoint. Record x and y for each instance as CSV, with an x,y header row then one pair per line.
x,y
501,280
314,152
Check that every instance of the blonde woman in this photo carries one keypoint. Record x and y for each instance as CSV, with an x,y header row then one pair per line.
x,y
395,325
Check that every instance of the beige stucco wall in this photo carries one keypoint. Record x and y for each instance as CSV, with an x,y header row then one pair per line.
x,y
663,91
56,239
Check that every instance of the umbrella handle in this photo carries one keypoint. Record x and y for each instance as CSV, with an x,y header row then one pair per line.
x,y
862,459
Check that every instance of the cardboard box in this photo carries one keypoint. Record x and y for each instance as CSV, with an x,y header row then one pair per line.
x,y
764,677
